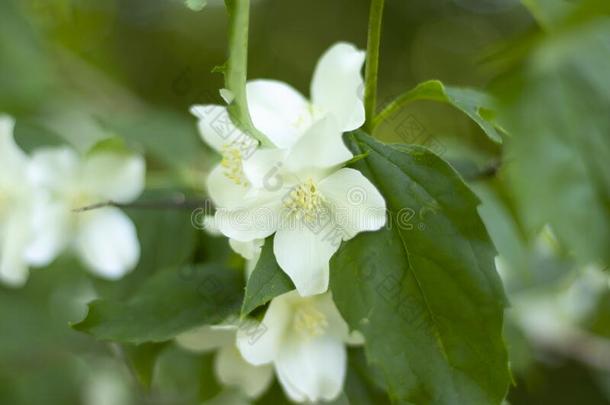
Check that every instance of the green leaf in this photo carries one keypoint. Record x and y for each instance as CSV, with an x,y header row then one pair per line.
x,y
267,281
142,360
424,290
114,144
557,110
476,104
167,304
184,377
547,12
164,136
362,383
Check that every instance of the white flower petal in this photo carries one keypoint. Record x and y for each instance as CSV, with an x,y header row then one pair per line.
x,y
277,110
52,224
312,369
304,256
215,125
259,343
263,169
14,238
114,176
205,338
337,326
256,219
358,205
107,242
56,169
337,85
225,192
321,146
232,370
248,250
12,157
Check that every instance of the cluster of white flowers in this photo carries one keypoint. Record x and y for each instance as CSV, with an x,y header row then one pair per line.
x,y
298,190
38,197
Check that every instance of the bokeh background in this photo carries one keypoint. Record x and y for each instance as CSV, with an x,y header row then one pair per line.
x,y
78,71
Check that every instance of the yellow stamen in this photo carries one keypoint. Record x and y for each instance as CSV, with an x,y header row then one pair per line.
x,y
305,201
309,320
232,165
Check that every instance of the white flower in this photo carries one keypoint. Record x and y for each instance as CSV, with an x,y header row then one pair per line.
x,y
229,366
104,238
311,213
296,189
19,199
283,115
226,182
305,340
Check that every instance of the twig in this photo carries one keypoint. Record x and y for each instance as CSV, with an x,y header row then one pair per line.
x,y
178,203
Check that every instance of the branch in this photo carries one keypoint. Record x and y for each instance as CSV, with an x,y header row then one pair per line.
x,y
178,203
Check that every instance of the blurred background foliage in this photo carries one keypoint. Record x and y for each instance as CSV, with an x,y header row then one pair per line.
x,y
78,71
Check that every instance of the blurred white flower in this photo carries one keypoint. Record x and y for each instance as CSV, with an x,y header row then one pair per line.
x,y
104,238
229,366
305,340
19,199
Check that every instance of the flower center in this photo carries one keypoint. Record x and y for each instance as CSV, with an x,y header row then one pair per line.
x,y
308,320
232,164
305,201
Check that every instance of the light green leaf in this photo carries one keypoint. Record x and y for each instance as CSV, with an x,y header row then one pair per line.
x,y
267,281
167,137
476,104
557,110
548,12
112,144
169,303
424,290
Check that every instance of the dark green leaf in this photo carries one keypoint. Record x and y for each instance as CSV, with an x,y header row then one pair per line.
x,y
363,383
267,281
142,360
182,377
424,290
167,304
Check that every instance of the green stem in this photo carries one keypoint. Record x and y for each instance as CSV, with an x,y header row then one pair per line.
x,y
372,61
237,67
